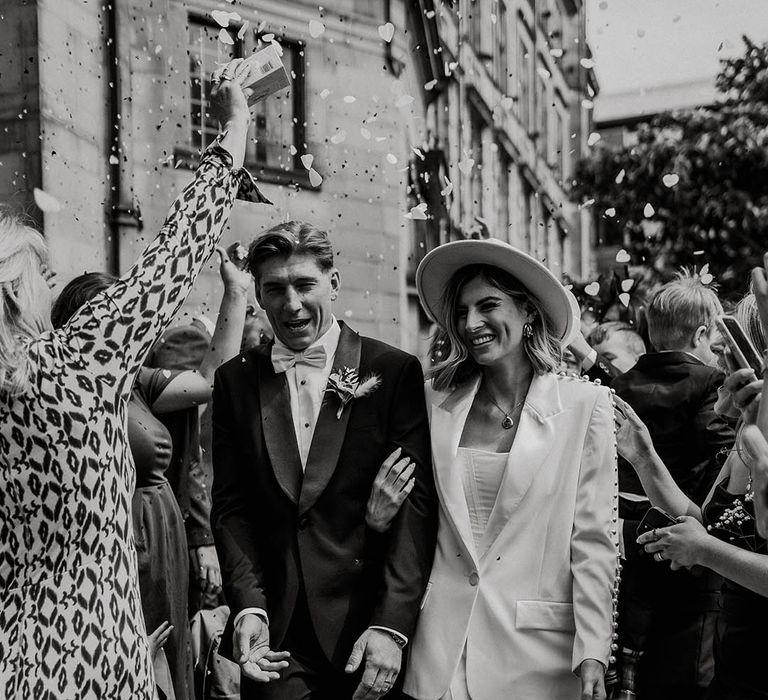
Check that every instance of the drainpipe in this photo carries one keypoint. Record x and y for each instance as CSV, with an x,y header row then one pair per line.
x,y
122,212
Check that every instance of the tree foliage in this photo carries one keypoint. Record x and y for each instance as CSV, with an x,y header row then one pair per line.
x,y
717,211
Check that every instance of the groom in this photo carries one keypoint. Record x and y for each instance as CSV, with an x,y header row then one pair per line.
x,y
294,464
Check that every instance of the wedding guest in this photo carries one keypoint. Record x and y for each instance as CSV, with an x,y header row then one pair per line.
x,y
69,600
618,345
300,429
521,595
666,622
159,527
720,536
760,471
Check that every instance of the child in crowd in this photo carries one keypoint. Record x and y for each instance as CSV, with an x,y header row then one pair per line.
x,y
666,619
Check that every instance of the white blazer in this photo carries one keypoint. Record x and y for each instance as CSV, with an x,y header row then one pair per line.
x,y
541,599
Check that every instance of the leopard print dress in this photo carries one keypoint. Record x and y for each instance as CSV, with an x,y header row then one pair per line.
x,y
70,613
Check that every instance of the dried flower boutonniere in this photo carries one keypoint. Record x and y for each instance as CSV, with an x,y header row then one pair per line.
x,y
347,385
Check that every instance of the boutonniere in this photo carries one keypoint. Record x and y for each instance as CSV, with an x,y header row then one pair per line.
x,y
347,385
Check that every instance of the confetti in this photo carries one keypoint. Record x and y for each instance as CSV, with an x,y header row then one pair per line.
x,y
594,137
306,160
418,213
391,159
587,63
624,298
114,160
587,104
314,178
648,211
448,187
507,102
610,212
46,202
620,177
293,150
339,137
622,257
404,101
593,289
670,179
365,133
466,165
556,53
315,28
268,38
223,18
225,37
243,30
349,99
626,285
430,85
324,93
387,31
705,276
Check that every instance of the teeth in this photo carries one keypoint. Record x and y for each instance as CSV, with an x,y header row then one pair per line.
x,y
482,339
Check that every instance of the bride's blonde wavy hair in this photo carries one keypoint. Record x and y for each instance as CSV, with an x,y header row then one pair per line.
x,y
22,253
543,349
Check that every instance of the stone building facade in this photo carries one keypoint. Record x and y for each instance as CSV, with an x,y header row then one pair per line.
x,y
470,118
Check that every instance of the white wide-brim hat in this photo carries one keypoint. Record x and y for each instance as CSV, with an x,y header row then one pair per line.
x,y
439,265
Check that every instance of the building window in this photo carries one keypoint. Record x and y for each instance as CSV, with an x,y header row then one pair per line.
x,y
278,120
500,68
206,54
542,118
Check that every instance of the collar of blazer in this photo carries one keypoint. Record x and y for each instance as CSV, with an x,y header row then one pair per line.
x,y
533,442
304,486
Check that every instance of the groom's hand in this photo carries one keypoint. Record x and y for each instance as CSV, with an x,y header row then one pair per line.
x,y
382,664
251,650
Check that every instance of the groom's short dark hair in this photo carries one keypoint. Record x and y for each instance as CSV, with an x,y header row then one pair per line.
x,y
290,238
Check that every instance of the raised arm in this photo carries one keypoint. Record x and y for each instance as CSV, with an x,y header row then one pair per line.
x,y
114,332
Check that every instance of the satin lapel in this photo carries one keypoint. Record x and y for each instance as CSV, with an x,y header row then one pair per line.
x,y
330,431
277,426
534,440
446,425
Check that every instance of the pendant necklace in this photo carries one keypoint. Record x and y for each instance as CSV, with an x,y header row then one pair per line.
x,y
507,421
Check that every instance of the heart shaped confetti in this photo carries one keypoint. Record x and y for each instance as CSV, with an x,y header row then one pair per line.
x,y
593,289
306,160
648,211
243,30
626,285
466,165
225,37
620,177
705,276
391,159
324,93
610,212
314,178
338,137
293,150
594,137
46,202
268,38
349,99
418,213
624,298
223,18
315,28
430,85
622,257
448,187
387,31
670,179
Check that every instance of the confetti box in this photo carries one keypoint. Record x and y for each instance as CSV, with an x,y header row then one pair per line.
x,y
267,75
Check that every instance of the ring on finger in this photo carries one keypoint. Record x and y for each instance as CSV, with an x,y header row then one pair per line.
x,y
659,556
226,76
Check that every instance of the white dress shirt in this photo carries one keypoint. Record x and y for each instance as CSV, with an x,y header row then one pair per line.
x,y
306,386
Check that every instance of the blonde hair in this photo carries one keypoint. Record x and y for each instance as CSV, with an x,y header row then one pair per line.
x,y
748,315
22,252
543,348
678,309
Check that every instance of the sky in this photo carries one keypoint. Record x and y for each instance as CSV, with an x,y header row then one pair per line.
x,y
643,43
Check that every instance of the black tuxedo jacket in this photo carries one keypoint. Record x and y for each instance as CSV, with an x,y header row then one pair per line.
x,y
277,528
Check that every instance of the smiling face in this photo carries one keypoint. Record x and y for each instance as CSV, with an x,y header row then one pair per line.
x,y
297,297
490,323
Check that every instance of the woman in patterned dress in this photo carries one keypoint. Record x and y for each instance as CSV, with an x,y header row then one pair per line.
x,y
70,615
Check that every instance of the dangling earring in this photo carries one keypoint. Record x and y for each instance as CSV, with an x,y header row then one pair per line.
x,y
527,330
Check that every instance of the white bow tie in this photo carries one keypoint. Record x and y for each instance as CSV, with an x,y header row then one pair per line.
x,y
284,358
